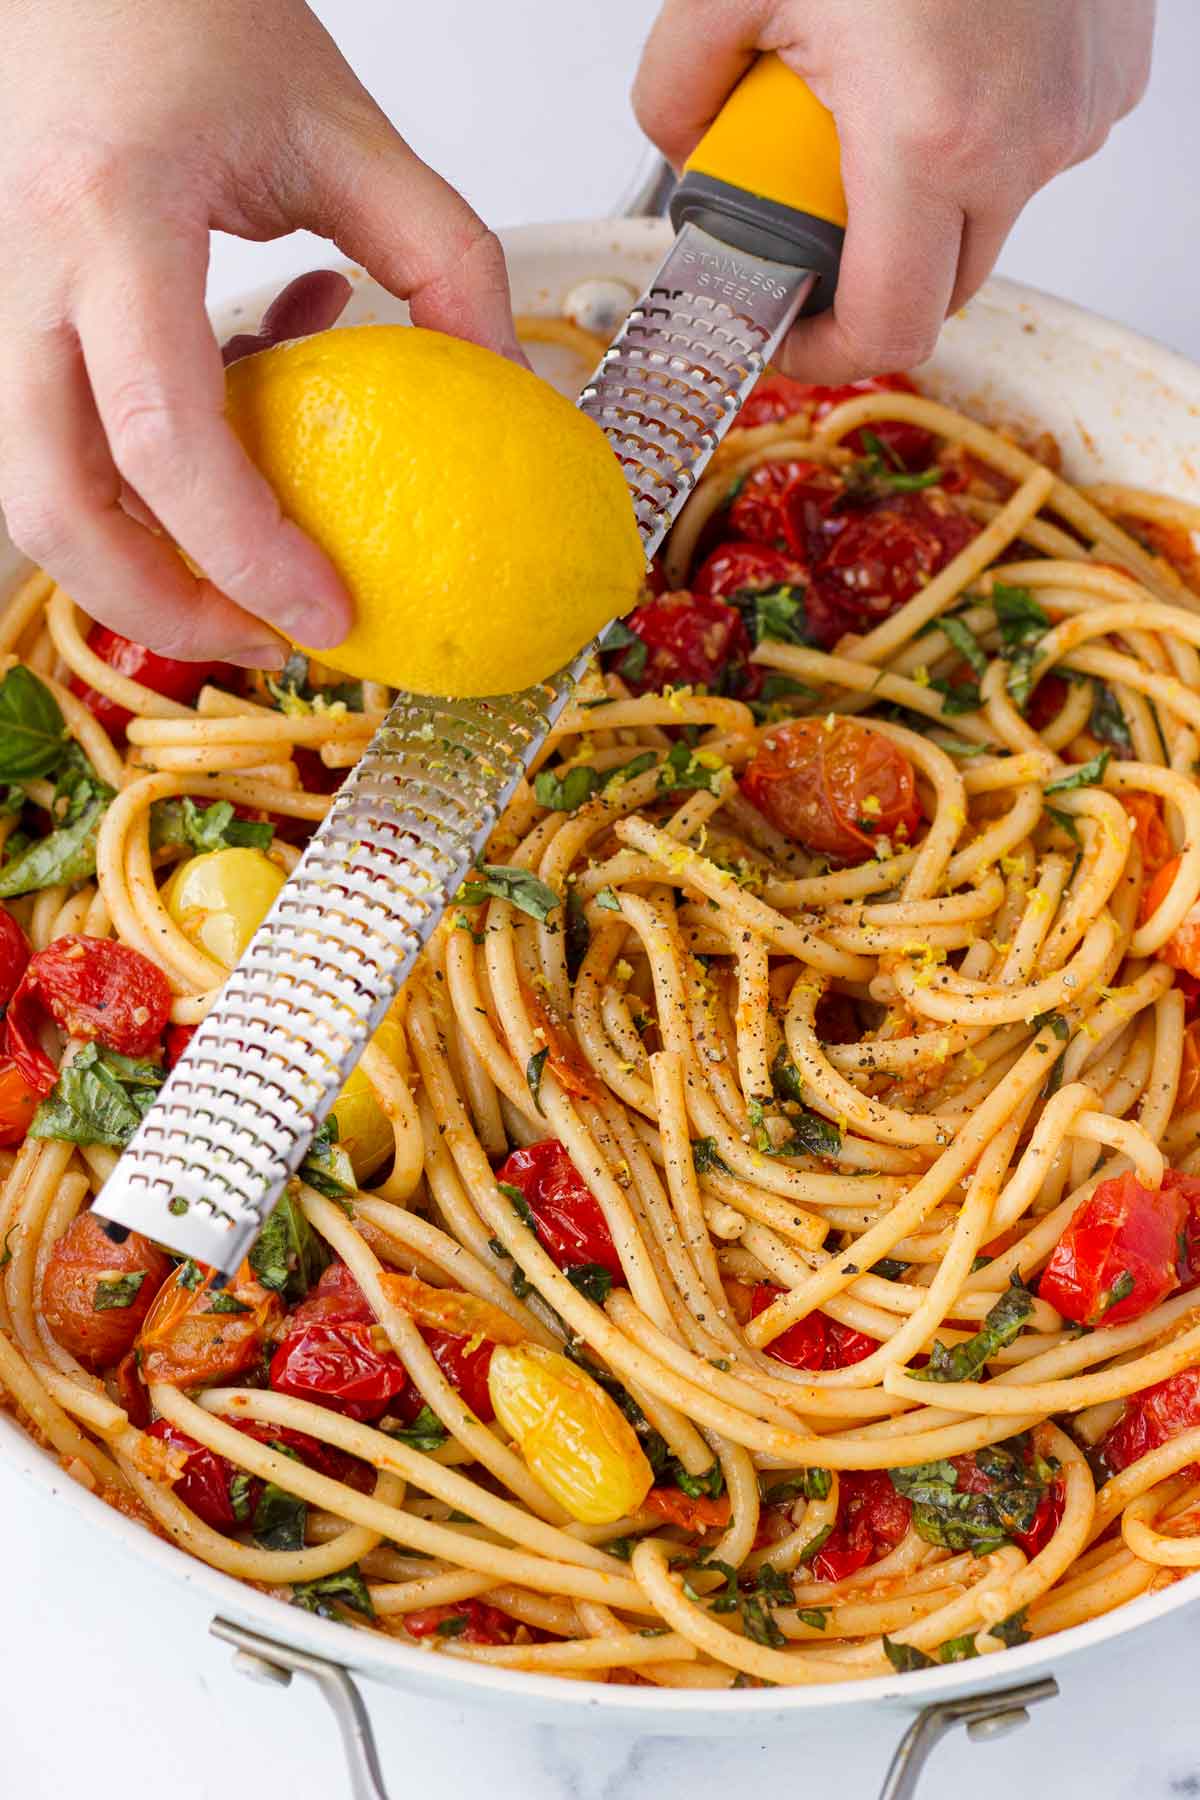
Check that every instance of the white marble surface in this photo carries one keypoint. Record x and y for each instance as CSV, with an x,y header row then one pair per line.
x,y
111,1686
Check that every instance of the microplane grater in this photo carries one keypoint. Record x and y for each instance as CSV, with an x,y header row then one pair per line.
x,y
235,1116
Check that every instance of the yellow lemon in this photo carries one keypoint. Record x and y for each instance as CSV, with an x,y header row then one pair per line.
x,y
479,520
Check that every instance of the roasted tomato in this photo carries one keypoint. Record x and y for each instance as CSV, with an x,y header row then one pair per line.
x,y
1120,1254
175,680
779,397
1182,949
343,1367
690,639
872,1519
816,1342
193,1336
1047,700
175,1042
1046,1521
336,1299
1042,1521
14,955
1151,1418
1188,1097
886,553
471,1620
567,1062
18,1103
216,1491
571,1227
1150,834
836,788
692,1513
744,568
786,505
326,1459
464,1361
93,988
96,1294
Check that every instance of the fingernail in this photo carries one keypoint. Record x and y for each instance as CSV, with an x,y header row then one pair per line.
x,y
260,656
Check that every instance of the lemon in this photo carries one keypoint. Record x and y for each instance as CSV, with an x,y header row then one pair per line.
x,y
479,520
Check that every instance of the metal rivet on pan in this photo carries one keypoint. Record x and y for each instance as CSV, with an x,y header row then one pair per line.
x,y
599,305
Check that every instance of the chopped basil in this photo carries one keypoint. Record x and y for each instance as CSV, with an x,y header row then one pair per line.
x,y
1011,1631
710,1485
521,888
963,639
68,853
815,1543
535,1068
205,828
1086,774
881,472
1108,722
809,1484
452,1627
425,1433
1003,1324
816,1616
33,732
592,1280
189,1275
979,1522
1022,625
607,900
759,1623
225,1302
566,792
100,1097
279,1518
288,1257
687,768
1120,1290
1065,822
705,1157
958,1649
632,666
241,1488
904,1658
725,1599
958,697
295,695
120,1291
332,1592
779,617
811,1134
326,1166
1055,1021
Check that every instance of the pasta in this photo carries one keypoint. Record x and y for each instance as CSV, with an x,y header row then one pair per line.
x,y
759,1247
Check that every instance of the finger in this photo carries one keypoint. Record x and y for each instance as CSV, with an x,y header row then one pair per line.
x,y
311,302
983,239
159,388
61,493
696,54
391,212
899,265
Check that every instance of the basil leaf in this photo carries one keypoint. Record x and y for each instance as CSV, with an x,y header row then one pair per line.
x,y
241,1487
1065,822
1020,618
326,1166
189,1275
778,617
117,1293
225,1302
637,765
685,768
811,1484
975,1521
775,689
65,856
965,642
288,1257
710,1485
1086,774
519,1204
1055,1021
608,900
957,697
1120,1290
759,1625
566,792
705,1157
206,828
1011,1631
1003,1324
957,1649
816,1616
592,1280
535,1068
100,1097
279,1519
296,695
494,881
452,1627
425,1433
815,1543
904,1658
1108,722
324,1597
33,732
812,1136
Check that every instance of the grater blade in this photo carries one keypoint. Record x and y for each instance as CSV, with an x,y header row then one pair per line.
x,y
235,1117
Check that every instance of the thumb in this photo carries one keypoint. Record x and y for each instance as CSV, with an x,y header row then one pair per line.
x,y
389,211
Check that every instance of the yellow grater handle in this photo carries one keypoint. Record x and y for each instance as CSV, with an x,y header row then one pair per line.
x,y
766,177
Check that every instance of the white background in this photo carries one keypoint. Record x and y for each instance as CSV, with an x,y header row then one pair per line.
x,y
111,1686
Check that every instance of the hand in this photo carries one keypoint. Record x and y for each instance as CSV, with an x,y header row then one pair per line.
x,y
131,129
951,114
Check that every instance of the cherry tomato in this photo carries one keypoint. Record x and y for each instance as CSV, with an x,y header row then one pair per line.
x,y
131,1391
1182,950
736,567
176,1041
815,1342
836,1019
886,553
1047,701
1188,1097
336,1299
872,1519
779,397
1046,1521
193,1337
175,680
471,1620
698,1513
326,1459
93,988
85,1273
464,1361
838,789
206,1485
574,1073
219,899
1119,1255
14,955
1152,1417
690,639
339,1366
786,505
18,1103
1150,834
571,1227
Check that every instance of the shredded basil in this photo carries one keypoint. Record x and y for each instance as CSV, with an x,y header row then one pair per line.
x,y
331,1593
425,1433
535,1068
1086,774
117,1293
326,1166
494,881
288,1257
100,1097
1003,1324
1108,722
592,1280
205,828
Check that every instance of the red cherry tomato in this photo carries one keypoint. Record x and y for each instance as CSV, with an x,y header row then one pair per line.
x,y
205,1485
836,789
339,1366
189,1341
14,955
886,553
471,1620
700,1513
465,1363
816,1342
131,1391
1047,701
1046,1521
1149,831
1119,1255
1182,949
786,505
336,1299
18,1103
82,1275
176,1041
690,639
326,1459
1152,1417
93,988
570,1224
779,397
736,567
175,680
872,1519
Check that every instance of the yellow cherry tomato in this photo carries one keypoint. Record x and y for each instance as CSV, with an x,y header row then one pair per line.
x,y
573,1437
364,1129
219,900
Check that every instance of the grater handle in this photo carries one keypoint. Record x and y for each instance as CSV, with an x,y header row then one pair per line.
x,y
766,177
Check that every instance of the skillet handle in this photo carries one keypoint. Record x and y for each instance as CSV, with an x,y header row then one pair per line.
x,y
984,1715
265,1659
